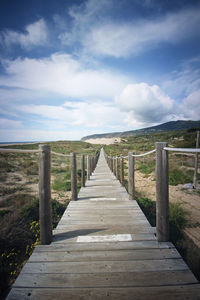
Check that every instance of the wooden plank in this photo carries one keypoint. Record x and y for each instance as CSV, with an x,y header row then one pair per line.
x,y
141,268
105,246
129,279
104,255
105,266
179,292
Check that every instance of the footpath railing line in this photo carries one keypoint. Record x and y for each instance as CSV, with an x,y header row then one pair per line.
x,y
44,158
192,150
162,185
144,154
60,154
20,150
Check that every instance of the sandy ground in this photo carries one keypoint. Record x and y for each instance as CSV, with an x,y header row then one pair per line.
x,y
189,198
104,141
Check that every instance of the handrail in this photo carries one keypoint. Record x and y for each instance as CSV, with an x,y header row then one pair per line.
x,y
193,150
20,150
143,154
60,154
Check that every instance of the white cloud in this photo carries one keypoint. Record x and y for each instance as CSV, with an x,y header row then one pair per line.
x,y
180,83
91,115
36,34
62,74
191,106
113,39
145,104
106,37
27,135
7,123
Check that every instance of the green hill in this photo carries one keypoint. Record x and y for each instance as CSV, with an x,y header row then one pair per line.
x,y
172,125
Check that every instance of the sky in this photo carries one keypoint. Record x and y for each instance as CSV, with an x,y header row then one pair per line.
x,y
71,68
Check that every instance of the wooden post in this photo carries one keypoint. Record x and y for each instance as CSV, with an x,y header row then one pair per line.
x,y
131,180
93,159
83,170
122,170
73,176
45,194
196,163
88,167
116,166
162,193
111,163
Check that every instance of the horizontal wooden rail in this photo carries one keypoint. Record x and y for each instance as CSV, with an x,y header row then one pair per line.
x,y
45,212
20,150
192,150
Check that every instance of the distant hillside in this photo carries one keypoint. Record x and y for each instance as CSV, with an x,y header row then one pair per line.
x,y
173,125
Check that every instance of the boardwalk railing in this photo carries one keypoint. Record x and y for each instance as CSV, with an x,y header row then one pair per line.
x,y
162,184
45,153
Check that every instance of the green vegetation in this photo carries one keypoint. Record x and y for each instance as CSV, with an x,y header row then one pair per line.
x,y
18,242
147,168
4,212
177,217
60,185
177,176
19,203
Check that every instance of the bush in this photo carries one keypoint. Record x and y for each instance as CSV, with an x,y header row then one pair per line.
x,y
61,185
180,177
147,168
31,212
177,217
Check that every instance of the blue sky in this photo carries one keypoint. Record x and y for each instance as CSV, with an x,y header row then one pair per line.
x,y
74,68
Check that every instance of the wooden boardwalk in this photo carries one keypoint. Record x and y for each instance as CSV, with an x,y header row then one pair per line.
x,y
104,248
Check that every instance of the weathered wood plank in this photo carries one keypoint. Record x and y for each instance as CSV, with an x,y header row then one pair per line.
x,y
128,279
140,267
145,244
179,292
104,255
105,266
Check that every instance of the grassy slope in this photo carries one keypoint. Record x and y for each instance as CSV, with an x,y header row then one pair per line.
x,y
19,205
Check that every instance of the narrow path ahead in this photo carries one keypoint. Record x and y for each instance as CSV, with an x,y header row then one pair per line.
x,y
104,248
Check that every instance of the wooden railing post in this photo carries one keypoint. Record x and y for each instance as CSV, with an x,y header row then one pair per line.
x,y
116,166
162,193
122,170
88,167
111,163
196,163
73,176
131,180
45,194
83,170
93,163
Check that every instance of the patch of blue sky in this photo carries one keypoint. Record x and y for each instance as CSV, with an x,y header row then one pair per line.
x,y
97,66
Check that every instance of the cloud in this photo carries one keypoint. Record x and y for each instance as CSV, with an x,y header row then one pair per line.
x,y
91,115
184,81
121,40
106,37
7,123
61,74
36,34
27,135
145,104
191,106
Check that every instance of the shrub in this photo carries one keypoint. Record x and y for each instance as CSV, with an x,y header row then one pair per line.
x,y
177,176
177,217
61,185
